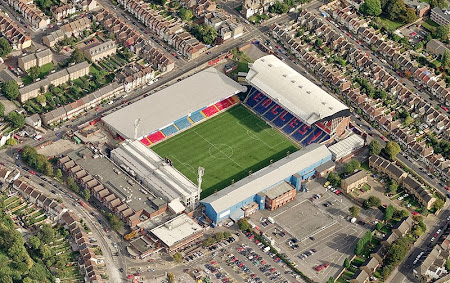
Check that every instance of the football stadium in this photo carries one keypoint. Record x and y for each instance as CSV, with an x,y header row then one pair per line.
x,y
269,137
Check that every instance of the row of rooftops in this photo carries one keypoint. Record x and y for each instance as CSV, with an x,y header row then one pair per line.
x,y
102,47
403,179
435,260
67,30
165,27
36,56
16,36
92,99
88,256
68,72
57,212
391,50
379,253
30,12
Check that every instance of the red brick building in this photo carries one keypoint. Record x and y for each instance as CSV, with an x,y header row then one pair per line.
x,y
279,195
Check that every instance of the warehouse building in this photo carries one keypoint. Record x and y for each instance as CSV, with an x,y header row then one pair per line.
x,y
249,193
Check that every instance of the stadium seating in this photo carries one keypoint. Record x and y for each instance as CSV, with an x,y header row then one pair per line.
x,y
156,137
183,123
273,112
265,105
283,119
303,132
145,141
315,136
292,126
169,130
325,126
197,116
234,99
209,111
224,104
254,98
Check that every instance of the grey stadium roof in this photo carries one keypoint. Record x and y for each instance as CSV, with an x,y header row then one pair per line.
x,y
293,91
164,107
266,177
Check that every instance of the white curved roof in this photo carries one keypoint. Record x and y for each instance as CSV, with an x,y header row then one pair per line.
x,y
293,91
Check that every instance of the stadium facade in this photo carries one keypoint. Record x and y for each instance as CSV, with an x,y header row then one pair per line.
x,y
293,104
236,200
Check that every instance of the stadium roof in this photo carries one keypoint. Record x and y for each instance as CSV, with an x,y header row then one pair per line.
x,y
162,179
176,101
266,177
176,230
293,91
346,146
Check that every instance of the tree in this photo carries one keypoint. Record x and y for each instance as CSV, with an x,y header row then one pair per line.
x,y
243,224
34,242
445,59
330,280
72,185
45,252
170,277
34,72
389,212
393,187
226,234
408,120
77,56
204,33
379,226
5,48
86,194
185,14
351,166
318,42
395,9
177,257
17,120
41,99
115,222
410,16
371,7
417,231
279,8
354,211
397,251
46,234
11,142
392,149
442,32
2,110
374,147
371,202
10,89
438,204
346,263
334,179
219,236
362,243
58,173
447,264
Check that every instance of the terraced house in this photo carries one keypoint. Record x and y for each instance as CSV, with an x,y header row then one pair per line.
x,y
30,13
16,36
100,51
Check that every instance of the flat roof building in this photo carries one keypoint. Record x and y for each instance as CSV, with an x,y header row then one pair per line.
x,y
164,107
178,232
155,174
295,168
346,147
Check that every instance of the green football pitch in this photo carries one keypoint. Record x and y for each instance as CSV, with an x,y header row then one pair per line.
x,y
228,146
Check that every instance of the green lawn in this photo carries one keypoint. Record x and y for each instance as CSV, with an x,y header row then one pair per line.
x,y
390,25
228,146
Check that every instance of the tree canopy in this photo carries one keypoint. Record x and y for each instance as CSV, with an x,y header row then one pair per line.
x,y
372,201
371,7
34,72
185,14
204,33
115,222
5,47
279,8
354,211
2,110
389,212
10,89
351,166
17,120
442,32
392,149
374,147
77,56
37,161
